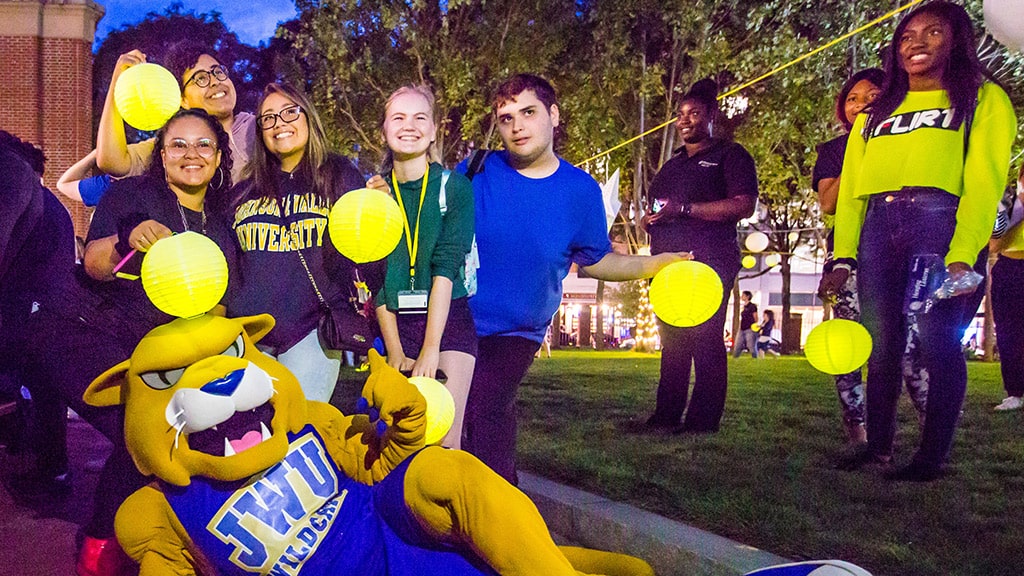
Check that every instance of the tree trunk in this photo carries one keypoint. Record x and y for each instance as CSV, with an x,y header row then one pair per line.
x,y
790,333
584,331
599,321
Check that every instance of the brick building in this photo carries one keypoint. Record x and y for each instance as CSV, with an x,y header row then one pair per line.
x,y
46,81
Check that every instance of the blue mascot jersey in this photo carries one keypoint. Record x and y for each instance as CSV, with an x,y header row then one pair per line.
x,y
303,516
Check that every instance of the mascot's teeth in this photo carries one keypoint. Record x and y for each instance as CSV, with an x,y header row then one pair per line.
x,y
228,450
264,431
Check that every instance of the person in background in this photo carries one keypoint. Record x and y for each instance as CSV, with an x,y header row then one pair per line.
x,y
1008,305
205,84
78,184
764,339
290,186
423,308
704,191
748,317
536,215
904,201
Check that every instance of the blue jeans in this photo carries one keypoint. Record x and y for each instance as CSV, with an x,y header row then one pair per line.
x,y
315,367
898,227
748,340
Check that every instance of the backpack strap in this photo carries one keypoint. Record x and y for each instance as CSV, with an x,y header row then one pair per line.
x,y
442,197
476,162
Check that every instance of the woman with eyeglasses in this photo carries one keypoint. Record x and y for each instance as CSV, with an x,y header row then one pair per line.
x,y
280,223
185,189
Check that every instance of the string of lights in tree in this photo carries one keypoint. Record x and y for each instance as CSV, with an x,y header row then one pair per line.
x,y
646,326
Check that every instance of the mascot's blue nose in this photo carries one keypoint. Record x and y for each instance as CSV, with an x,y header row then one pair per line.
x,y
225,386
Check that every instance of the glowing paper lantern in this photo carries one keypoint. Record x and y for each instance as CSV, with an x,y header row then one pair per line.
x,y
1003,21
748,261
838,346
772,260
794,237
756,242
365,225
755,327
686,293
146,96
185,275
440,407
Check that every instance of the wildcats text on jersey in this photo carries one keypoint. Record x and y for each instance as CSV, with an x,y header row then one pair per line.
x,y
941,118
277,522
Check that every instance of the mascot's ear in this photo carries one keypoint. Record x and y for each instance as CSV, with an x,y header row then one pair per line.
x,y
105,390
376,361
257,326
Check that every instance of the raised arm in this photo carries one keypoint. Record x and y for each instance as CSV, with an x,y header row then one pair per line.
x,y
112,154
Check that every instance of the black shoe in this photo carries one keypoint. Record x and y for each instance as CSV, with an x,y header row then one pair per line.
x,y
652,425
35,486
915,472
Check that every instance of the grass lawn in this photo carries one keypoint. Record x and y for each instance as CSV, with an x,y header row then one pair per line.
x,y
767,478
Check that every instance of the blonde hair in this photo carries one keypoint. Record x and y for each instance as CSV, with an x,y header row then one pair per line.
x,y
427,94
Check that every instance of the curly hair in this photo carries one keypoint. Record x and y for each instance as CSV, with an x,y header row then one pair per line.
x,y
217,192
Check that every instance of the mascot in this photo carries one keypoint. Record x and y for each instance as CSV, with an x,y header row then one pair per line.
x,y
251,478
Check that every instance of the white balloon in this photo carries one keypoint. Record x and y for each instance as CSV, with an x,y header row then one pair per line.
x,y
756,242
1003,20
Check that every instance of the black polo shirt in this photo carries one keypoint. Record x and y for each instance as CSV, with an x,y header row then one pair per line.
x,y
723,170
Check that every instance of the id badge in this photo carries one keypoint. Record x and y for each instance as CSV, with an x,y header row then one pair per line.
x,y
412,302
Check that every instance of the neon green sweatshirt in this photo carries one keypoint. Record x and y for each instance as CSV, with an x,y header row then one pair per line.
x,y
916,147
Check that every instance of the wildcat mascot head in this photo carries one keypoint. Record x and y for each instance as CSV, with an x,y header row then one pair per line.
x,y
201,400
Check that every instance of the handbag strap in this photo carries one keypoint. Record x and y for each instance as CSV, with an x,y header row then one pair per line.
x,y
302,258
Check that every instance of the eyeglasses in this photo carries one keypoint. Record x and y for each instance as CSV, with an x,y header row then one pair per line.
x,y
288,115
177,148
202,77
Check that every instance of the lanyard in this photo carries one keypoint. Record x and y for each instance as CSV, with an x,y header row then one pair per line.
x,y
412,240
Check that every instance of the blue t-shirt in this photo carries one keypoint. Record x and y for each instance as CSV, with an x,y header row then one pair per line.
x,y
528,233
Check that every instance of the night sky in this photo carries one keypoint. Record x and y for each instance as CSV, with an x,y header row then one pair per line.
x,y
252,21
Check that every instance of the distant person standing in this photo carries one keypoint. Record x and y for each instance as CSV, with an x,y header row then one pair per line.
x,y
703,192
1008,306
764,339
536,215
748,317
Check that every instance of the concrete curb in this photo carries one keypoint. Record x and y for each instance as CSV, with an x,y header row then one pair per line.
x,y
672,548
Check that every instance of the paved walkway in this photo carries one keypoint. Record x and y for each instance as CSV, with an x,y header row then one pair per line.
x,y
39,540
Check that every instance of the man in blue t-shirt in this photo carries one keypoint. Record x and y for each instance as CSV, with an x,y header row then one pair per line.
x,y
536,215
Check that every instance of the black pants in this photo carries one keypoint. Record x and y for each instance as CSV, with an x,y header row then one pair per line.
x,y
490,426
1008,312
63,353
703,347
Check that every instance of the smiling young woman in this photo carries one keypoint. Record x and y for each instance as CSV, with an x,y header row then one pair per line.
x,y
422,309
280,223
904,200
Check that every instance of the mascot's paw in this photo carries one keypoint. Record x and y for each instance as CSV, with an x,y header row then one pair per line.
x,y
103,557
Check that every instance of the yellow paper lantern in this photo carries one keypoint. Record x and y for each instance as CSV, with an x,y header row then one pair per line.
x,y
185,275
366,225
772,260
686,293
838,346
147,95
756,242
440,408
749,261
755,327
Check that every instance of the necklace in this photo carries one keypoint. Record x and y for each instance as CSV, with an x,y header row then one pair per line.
x,y
184,220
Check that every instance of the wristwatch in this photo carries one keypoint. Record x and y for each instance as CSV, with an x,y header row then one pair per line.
x,y
686,209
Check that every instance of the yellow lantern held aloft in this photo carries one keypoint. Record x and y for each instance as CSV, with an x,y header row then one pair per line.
x,y
365,224
185,275
838,346
686,293
756,242
440,408
147,95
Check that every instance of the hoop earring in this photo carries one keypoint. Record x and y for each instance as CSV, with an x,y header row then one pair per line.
x,y
220,182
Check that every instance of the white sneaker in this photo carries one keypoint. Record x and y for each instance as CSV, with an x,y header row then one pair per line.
x,y
1011,403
